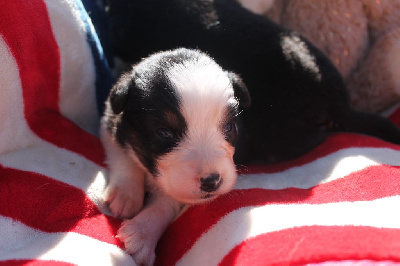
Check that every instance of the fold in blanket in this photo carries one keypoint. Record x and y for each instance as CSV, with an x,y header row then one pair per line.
x,y
51,163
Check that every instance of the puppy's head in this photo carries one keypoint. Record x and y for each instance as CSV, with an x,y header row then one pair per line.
x,y
178,111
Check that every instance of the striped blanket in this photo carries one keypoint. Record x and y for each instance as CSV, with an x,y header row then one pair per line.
x,y
338,204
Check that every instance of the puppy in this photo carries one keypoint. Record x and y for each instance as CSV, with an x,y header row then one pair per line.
x,y
298,97
170,128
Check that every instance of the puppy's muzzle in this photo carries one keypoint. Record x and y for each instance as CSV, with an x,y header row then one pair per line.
x,y
210,183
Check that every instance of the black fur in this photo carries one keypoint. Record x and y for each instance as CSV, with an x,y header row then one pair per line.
x,y
143,109
294,107
140,103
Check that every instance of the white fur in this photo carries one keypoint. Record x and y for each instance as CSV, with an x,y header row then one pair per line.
x,y
125,190
142,233
295,50
205,93
125,194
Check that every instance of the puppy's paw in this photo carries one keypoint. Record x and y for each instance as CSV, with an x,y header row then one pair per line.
x,y
125,199
139,241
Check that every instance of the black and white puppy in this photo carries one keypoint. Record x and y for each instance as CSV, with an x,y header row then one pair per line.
x,y
170,125
298,97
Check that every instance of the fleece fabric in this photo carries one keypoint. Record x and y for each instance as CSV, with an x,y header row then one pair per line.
x,y
338,204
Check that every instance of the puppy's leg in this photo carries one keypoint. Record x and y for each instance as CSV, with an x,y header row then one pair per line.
x,y
125,189
142,233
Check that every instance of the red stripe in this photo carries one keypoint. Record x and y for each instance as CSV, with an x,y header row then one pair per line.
x,y
369,184
332,144
35,263
26,28
52,206
314,244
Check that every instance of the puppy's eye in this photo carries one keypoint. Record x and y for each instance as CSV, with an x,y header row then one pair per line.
x,y
228,127
165,133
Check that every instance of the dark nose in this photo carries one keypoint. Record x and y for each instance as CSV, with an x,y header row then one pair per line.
x,y
210,183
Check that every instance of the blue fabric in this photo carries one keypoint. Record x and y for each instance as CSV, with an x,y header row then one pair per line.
x,y
96,10
104,79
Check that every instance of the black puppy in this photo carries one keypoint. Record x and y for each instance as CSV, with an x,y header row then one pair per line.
x,y
298,97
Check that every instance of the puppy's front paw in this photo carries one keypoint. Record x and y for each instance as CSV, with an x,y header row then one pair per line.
x,y
124,201
139,241
125,192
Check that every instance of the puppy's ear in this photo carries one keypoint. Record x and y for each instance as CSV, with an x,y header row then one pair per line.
x,y
119,93
240,89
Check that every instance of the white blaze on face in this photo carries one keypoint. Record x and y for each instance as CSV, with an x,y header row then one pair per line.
x,y
205,93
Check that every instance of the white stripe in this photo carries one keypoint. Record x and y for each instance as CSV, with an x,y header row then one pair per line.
x,y
248,222
22,242
20,148
14,131
325,169
62,165
77,84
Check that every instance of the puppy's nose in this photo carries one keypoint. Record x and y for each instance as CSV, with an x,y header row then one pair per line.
x,y
210,183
